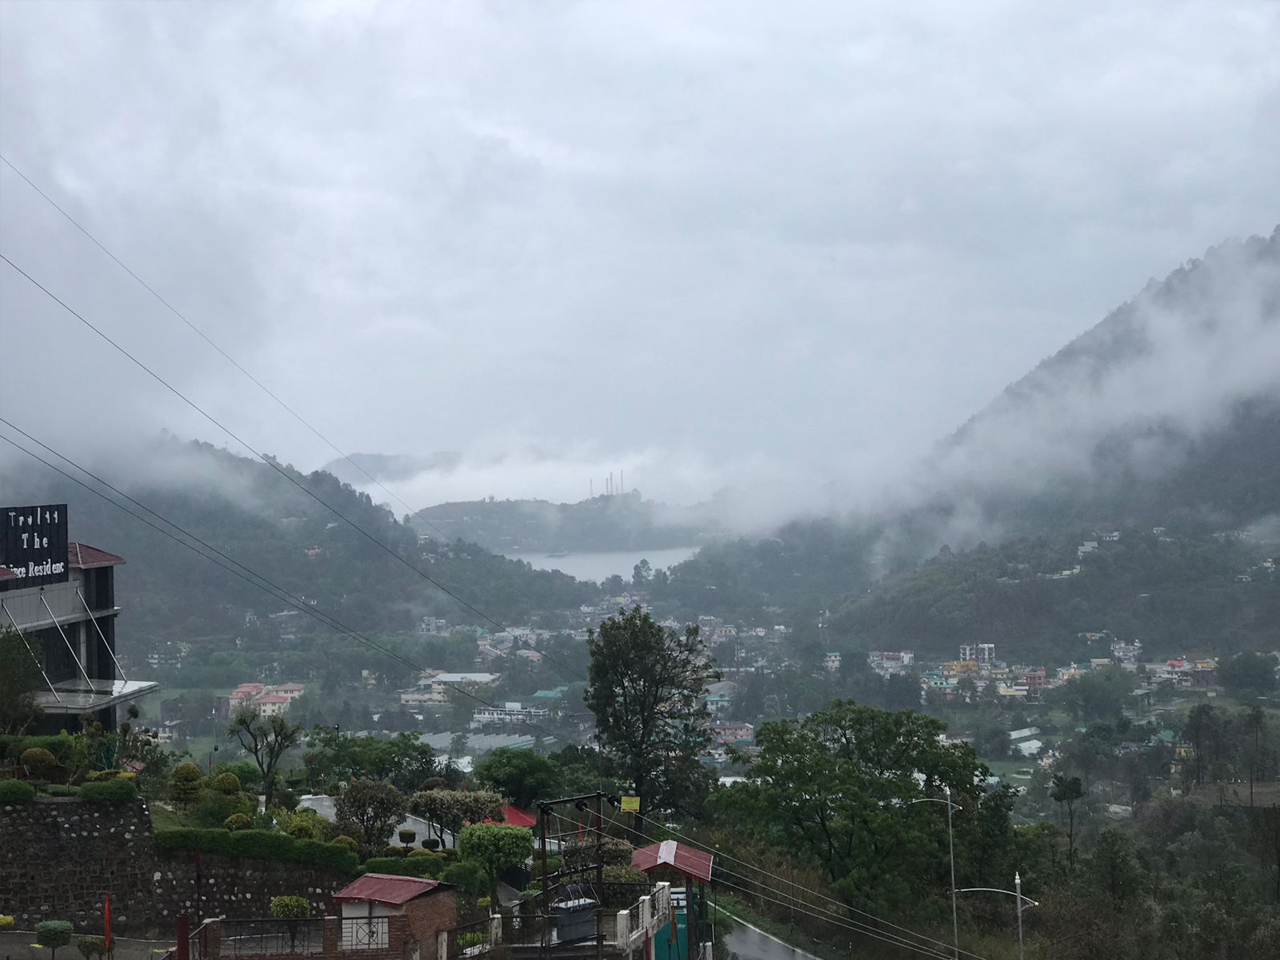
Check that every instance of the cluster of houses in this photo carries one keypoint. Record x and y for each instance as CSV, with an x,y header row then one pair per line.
x,y
268,699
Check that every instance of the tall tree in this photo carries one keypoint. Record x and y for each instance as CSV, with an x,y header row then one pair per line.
x,y
646,688
19,680
1066,792
521,775
378,807
265,739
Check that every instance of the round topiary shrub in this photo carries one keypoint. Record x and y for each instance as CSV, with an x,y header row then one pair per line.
x,y
53,934
97,775
407,837
238,821
6,922
91,947
423,853
184,784
301,830
109,791
431,843
432,783
346,843
39,762
393,851
290,908
16,791
227,783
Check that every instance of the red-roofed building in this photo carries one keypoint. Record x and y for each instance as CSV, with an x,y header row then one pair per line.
x,y
429,906
60,596
517,817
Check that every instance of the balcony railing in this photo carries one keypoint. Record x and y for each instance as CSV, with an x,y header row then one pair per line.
x,y
258,938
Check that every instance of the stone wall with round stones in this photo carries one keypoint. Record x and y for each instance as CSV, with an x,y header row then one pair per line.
x,y
59,857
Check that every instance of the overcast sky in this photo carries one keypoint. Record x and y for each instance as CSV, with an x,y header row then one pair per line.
x,y
703,242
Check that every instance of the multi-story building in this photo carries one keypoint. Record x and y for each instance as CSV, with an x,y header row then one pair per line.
x,y
59,595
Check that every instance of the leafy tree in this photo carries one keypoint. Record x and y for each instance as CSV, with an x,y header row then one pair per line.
x,y
1248,675
377,807
496,846
645,689
53,934
833,788
265,739
20,678
449,810
521,775
1067,792
334,758
1114,868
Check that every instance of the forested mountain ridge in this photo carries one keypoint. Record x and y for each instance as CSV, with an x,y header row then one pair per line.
x,y
253,514
624,521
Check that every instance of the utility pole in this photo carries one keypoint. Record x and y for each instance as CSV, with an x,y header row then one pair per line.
x,y
951,843
546,885
600,876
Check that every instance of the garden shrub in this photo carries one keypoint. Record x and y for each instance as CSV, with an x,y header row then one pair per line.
x,y
393,851
212,807
237,821
91,946
431,843
16,791
258,845
301,830
38,761
97,775
184,784
53,934
109,791
416,854
469,877
62,790
6,922
405,866
290,908
468,940
346,843
227,783
407,837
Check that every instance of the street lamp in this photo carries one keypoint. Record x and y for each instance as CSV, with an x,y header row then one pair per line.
x,y
951,842
1016,892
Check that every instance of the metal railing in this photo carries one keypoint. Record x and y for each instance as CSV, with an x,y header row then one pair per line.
x,y
364,933
471,939
256,938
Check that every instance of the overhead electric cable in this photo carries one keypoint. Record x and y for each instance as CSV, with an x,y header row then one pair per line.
x,y
249,576
270,461
230,359
791,896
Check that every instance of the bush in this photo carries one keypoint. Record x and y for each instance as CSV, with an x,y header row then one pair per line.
x,y
60,745
38,761
425,853
432,783
431,843
342,828
468,940
405,866
62,790
393,851
407,837
290,908
91,947
227,783
301,830
184,784
53,934
450,853
96,775
284,797
237,821
470,878
6,922
16,791
213,807
484,903
259,845
346,843
109,791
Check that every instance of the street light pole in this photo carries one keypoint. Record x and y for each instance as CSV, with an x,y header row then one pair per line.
x,y
1016,892
951,843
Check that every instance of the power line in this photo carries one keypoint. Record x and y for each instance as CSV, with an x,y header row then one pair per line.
x,y
249,576
230,359
270,461
826,914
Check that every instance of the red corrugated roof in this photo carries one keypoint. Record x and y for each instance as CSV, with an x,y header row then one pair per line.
x,y
86,557
386,888
692,863
518,818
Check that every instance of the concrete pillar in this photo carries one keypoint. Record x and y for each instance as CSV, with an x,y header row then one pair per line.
x,y
495,930
183,933
442,945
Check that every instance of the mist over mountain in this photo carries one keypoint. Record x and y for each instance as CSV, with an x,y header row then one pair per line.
x,y
359,468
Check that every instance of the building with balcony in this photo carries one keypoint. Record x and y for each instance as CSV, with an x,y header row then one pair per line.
x,y
59,595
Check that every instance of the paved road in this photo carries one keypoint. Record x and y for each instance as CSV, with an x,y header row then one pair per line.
x,y
751,943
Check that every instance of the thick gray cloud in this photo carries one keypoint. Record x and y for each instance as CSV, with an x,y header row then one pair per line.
x,y
763,244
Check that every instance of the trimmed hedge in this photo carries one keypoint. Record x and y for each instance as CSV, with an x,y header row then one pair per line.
x,y
109,791
16,791
13,747
405,866
258,845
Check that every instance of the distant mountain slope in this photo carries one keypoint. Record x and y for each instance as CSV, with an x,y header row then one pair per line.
x,y
250,512
619,522
1168,408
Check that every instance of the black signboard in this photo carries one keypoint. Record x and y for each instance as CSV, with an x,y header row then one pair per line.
x,y
33,545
